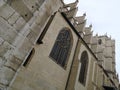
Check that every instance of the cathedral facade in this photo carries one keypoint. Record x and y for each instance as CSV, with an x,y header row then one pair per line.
x,y
45,46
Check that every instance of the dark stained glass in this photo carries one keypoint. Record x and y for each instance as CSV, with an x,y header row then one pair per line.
x,y
61,47
84,67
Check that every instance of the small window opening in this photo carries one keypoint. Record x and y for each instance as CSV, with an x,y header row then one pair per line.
x,y
27,61
84,68
32,6
99,41
25,15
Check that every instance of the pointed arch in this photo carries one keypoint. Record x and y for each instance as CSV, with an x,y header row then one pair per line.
x,y
62,46
84,67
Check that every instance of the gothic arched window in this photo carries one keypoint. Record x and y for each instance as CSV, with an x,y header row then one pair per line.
x,y
84,67
99,41
61,48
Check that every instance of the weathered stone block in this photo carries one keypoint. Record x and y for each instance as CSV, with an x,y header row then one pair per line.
x,y
80,27
87,38
6,11
94,40
4,48
94,48
6,75
22,9
100,48
31,21
1,40
14,63
8,35
108,51
42,17
13,18
2,87
1,3
36,28
31,4
108,43
8,53
32,36
25,30
1,62
100,56
18,40
4,24
19,24
23,49
7,32
18,85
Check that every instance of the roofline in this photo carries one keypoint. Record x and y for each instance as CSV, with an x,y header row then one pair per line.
x,y
76,32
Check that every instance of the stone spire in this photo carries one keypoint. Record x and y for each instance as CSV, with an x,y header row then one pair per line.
x,y
80,23
88,35
70,9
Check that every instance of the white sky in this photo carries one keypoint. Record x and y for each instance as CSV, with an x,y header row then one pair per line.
x,y
104,15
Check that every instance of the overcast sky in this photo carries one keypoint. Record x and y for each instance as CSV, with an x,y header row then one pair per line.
x,y
104,15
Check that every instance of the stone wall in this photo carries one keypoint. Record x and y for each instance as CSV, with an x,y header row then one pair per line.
x,y
43,73
21,23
